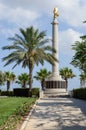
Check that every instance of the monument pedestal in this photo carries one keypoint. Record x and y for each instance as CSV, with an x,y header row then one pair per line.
x,y
55,86
55,81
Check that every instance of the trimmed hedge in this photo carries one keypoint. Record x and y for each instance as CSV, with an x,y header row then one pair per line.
x,y
35,92
24,92
5,93
80,93
21,92
0,92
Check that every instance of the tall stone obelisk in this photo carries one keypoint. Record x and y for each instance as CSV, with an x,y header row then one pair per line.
x,y
55,82
55,67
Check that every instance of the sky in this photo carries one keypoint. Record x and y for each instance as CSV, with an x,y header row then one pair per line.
x,y
16,14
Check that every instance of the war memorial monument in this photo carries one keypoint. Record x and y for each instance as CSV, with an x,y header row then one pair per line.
x,y
55,84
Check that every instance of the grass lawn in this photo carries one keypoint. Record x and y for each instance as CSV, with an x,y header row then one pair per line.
x,y
9,105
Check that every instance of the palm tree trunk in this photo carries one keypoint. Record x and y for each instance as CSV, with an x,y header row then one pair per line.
x,y
30,75
43,84
24,84
8,85
66,84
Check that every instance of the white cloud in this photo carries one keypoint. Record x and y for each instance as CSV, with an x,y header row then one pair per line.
x,y
70,11
19,16
6,32
23,13
73,12
66,39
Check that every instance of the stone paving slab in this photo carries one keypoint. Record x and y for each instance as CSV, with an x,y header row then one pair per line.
x,y
58,114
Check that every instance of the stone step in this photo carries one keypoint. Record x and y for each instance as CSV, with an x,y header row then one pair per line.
x,y
57,95
55,91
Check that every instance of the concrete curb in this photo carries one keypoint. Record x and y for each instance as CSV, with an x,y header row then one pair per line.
x,y
28,117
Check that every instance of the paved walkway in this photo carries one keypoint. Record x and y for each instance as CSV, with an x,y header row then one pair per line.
x,y
58,114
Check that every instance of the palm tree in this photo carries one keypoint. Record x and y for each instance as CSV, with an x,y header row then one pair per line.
x,y
83,79
1,78
79,58
42,75
66,73
9,76
29,48
23,79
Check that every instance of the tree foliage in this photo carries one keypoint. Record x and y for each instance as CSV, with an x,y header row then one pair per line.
x,y
9,77
66,73
42,75
2,78
83,79
79,58
29,48
23,80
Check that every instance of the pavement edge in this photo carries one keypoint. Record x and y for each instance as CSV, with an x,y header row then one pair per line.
x,y
29,115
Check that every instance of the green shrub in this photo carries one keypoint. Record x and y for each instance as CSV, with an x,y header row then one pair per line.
x,y
35,92
80,93
21,92
24,92
0,92
5,93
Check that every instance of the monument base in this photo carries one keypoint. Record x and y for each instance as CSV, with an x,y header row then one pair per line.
x,y
55,86
55,93
55,81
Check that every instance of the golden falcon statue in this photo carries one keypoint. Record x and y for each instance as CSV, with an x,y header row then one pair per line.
x,y
55,11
